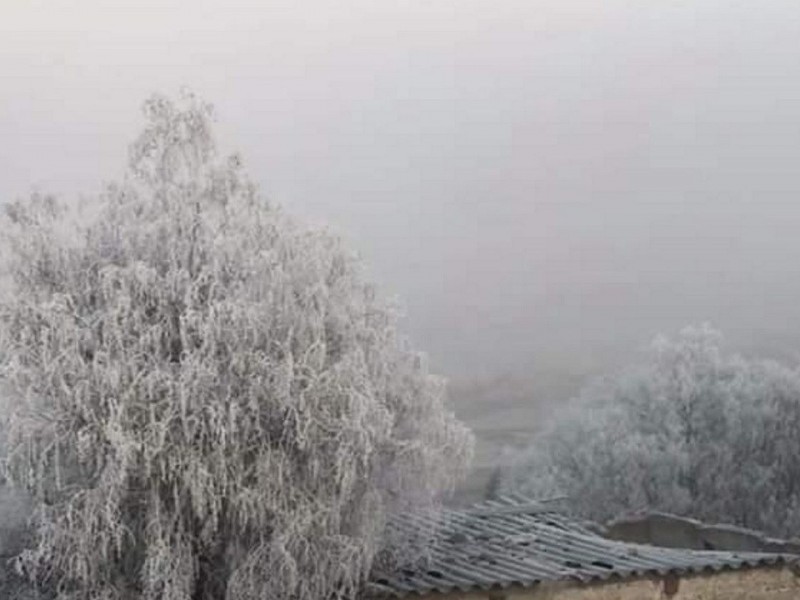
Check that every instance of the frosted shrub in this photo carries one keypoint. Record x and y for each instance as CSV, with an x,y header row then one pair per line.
x,y
690,431
206,400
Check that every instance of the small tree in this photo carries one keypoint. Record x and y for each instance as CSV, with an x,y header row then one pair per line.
x,y
690,431
206,400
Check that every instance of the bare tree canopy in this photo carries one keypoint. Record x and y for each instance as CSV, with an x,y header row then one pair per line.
x,y
690,431
206,400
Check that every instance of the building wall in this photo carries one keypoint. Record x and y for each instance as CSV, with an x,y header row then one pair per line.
x,y
748,584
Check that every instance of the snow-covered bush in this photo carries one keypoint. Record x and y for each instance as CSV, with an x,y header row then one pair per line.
x,y
690,431
206,400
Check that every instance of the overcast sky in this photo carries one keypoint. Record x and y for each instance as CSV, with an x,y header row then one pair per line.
x,y
545,184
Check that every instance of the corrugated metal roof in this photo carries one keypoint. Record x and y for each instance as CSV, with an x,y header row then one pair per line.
x,y
513,541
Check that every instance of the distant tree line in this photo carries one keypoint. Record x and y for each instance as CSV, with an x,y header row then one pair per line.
x,y
691,431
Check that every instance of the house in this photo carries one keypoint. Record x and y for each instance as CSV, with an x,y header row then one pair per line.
x,y
673,531
514,549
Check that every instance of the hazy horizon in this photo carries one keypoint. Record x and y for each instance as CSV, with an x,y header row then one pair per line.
x,y
545,186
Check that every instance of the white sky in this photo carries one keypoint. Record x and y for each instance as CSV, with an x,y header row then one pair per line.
x,y
544,183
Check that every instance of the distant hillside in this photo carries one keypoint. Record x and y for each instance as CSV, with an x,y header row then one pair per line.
x,y
504,412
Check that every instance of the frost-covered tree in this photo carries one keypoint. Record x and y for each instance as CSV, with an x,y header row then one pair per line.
x,y
690,431
206,400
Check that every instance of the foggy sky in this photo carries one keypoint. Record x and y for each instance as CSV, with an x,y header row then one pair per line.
x,y
545,184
